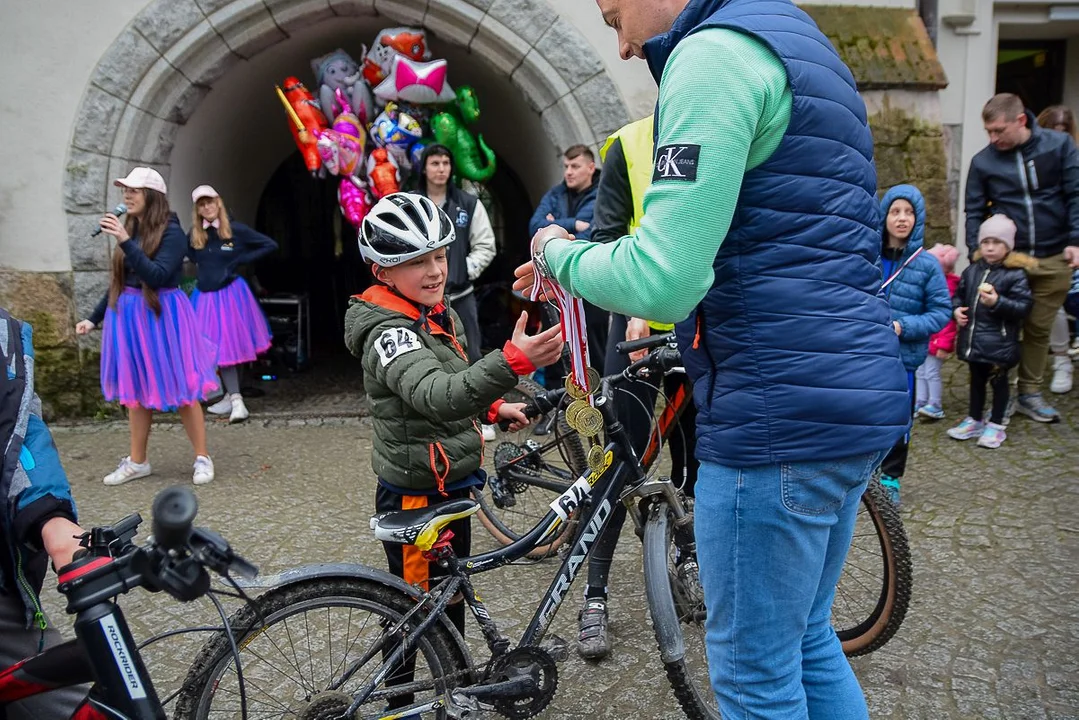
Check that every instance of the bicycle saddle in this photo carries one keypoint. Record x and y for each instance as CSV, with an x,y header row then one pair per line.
x,y
422,526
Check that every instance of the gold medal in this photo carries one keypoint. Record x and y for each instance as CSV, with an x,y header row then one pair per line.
x,y
596,458
573,412
589,420
577,393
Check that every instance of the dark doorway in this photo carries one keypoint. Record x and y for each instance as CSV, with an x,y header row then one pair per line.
x,y
1033,70
319,255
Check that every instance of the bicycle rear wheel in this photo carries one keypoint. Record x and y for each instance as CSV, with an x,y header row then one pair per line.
x,y
293,663
873,593
676,603
527,473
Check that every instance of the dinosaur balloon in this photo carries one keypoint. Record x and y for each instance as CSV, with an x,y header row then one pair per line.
x,y
307,120
471,156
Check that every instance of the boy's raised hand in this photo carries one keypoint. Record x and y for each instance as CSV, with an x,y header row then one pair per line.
x,y
541,349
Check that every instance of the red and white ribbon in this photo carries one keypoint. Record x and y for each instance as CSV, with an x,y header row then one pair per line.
x,y
574,328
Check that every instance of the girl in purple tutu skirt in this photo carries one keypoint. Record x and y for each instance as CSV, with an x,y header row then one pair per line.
x,y
227,312
153,356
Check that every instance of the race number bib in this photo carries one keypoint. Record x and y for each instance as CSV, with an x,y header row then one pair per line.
x,y
395,342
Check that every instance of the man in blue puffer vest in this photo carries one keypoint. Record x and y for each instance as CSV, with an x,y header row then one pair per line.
x,y
918,295
761,235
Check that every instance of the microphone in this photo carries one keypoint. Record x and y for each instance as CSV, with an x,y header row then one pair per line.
x,y
118,211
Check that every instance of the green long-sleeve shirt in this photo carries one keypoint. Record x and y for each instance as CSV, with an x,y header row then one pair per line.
x,y
727,94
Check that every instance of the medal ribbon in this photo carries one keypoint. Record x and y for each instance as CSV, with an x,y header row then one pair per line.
x,y
574,328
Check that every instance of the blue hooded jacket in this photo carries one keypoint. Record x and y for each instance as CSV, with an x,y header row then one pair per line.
x,y
918,296
791,351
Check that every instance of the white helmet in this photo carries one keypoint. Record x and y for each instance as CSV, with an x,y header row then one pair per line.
x,y
402,226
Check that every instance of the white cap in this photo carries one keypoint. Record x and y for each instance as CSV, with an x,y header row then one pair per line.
x,y
143,178
203,191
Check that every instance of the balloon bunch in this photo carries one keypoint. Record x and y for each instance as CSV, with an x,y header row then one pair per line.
x,y
414,102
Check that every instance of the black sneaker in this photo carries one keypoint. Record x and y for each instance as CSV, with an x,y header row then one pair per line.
x,y
592,642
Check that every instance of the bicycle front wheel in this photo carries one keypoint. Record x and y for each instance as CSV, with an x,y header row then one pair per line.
x,y
873,593
527,472
676,603
293,665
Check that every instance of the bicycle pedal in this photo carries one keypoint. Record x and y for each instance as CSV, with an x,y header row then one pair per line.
x,y
557,647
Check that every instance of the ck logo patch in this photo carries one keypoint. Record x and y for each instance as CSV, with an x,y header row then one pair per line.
x,y
462,217
676,162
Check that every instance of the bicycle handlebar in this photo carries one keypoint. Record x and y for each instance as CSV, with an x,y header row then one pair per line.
x,y
660,359
175,559
646,343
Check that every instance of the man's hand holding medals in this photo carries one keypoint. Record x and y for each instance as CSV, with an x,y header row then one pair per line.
x,y
583,381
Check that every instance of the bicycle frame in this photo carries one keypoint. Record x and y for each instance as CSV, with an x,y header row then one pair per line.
x,y
122,686
602,488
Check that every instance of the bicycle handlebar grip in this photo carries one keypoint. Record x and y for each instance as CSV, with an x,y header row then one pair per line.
x,y
646,343
530,411
174,510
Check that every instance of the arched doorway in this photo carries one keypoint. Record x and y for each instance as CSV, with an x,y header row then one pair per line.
x,y
188,88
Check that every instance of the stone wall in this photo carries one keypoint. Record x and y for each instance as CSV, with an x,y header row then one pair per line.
x,y
66,374
909,147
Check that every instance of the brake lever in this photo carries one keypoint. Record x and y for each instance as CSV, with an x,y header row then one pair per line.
x,y
211,549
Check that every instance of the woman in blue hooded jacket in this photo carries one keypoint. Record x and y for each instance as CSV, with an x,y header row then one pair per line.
x,y
918,295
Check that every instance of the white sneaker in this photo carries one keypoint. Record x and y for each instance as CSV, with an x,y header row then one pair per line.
x,y
221,407
489,433
239,410
1062,374
204,470
128,470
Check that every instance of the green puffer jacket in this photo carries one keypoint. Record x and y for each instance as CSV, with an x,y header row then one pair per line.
x,y
423,396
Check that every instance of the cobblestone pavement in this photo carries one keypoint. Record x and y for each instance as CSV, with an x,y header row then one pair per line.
x,y
994,537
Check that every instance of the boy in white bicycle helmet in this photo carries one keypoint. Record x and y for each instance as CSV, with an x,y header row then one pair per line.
x,y
426,402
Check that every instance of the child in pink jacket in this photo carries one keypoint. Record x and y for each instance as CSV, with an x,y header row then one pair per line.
x,y
928,387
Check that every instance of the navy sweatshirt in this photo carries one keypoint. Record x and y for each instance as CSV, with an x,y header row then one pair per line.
x,y
218,260
159,272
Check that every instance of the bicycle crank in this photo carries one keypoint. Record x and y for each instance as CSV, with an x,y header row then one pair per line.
x,y
533,663
326,705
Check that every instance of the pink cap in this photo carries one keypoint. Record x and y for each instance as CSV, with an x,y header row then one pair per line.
x,y
203,191
946,255
999,227
143,178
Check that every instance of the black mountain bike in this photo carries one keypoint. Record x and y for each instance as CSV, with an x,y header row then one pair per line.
x,y
529,472
349,641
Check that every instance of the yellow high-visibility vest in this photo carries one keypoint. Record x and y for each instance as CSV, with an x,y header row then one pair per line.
x,y
637,147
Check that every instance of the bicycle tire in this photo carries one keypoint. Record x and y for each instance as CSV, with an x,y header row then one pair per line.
x,y
508,524
210,676
880,555
688,674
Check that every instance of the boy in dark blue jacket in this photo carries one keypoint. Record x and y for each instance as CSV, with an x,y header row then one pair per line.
x,y
918,295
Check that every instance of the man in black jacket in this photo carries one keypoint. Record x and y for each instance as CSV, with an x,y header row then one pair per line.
x,y
474,248
1030,174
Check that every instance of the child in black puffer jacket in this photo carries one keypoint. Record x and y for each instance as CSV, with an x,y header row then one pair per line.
x,y
992,300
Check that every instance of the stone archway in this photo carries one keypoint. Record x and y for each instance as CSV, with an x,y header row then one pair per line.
x,y
155,74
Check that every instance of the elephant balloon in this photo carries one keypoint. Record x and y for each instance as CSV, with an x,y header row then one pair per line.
x,y
354,199
338,71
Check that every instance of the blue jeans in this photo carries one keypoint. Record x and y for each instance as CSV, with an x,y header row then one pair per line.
x,y
771,543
